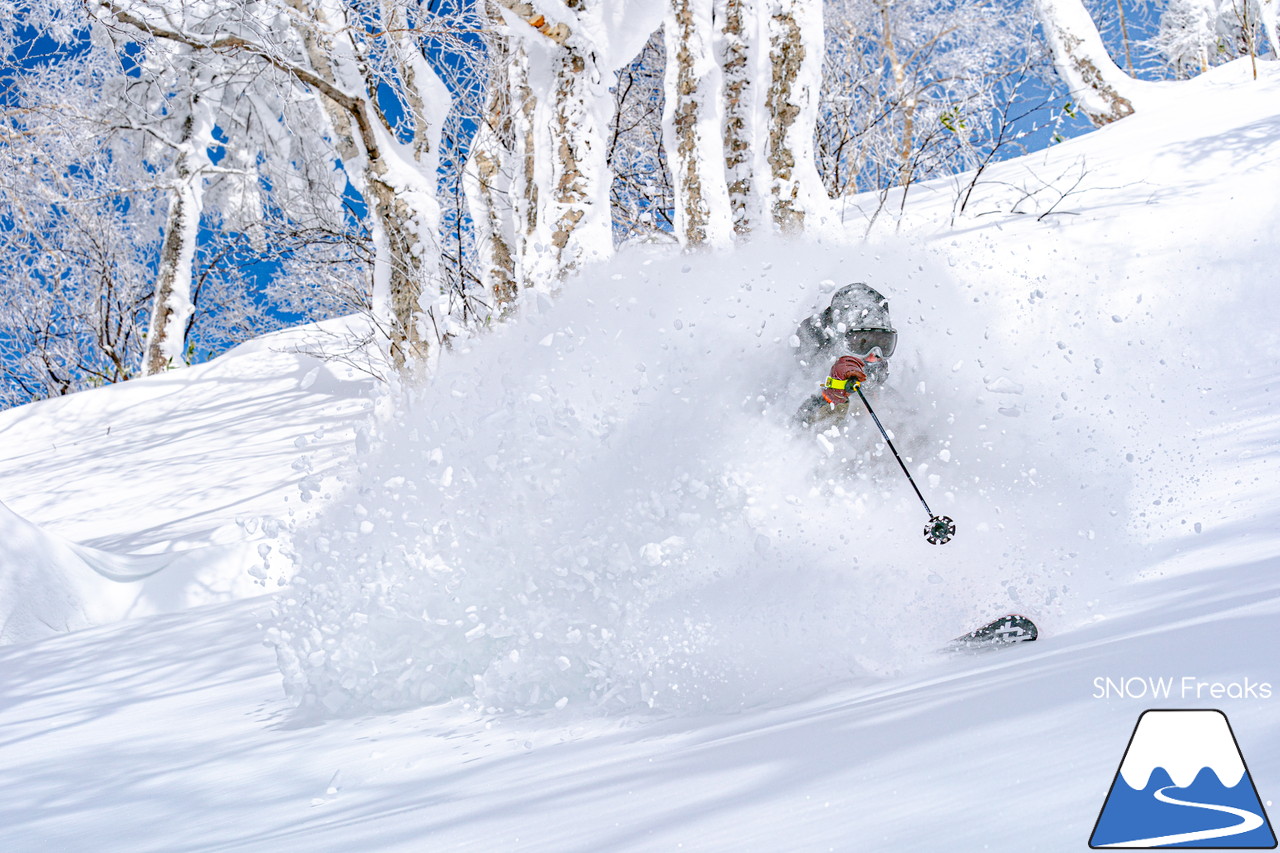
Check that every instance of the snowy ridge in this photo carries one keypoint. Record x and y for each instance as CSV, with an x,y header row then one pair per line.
x,y
1183,743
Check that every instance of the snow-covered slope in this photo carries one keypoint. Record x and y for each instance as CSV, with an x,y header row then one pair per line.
x,y
1091,393
152,496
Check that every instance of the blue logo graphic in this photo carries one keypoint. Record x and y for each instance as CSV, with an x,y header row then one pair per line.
x,y
1183,783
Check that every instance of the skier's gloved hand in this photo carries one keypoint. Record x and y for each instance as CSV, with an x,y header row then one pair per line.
x,y
845,372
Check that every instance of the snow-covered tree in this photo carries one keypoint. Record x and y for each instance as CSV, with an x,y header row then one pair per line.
x,y
1101,88
488,176
1192,36
764,96
524,184
381,106
738,52
788,178
693,123
1195,35
915,89
1268,13
193,101
74,279
571,219
87,194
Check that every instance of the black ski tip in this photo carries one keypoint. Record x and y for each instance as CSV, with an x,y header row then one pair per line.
x,y
939,530
1008,630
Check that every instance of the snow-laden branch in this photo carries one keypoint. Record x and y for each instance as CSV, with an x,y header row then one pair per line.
x,y
528,12
1104,91
347,101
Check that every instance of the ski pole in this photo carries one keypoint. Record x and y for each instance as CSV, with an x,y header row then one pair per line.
x,y
940,529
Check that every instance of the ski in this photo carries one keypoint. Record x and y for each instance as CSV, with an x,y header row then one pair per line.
x,y
1003,632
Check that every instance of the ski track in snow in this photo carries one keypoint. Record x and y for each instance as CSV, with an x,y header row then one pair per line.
x,y
1107,475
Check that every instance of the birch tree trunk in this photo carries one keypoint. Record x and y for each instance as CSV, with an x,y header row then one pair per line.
x,y
793,191
692,126
172,306
570,169
487,182
406,207
524,179
1103,91
736,51
575,201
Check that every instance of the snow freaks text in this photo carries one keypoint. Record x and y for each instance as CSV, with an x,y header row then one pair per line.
x,y
1184,687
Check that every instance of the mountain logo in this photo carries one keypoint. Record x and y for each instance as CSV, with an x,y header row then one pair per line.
x,y
1183,783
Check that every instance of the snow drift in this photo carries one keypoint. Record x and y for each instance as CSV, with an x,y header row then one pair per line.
x,y
156,495
49,585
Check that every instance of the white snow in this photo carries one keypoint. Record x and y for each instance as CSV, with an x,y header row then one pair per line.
x,y
747,621
176,471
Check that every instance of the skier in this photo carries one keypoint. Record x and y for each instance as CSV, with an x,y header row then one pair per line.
x,y
855,331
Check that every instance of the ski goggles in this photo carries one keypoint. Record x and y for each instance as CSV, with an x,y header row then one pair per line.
x,y
863,341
